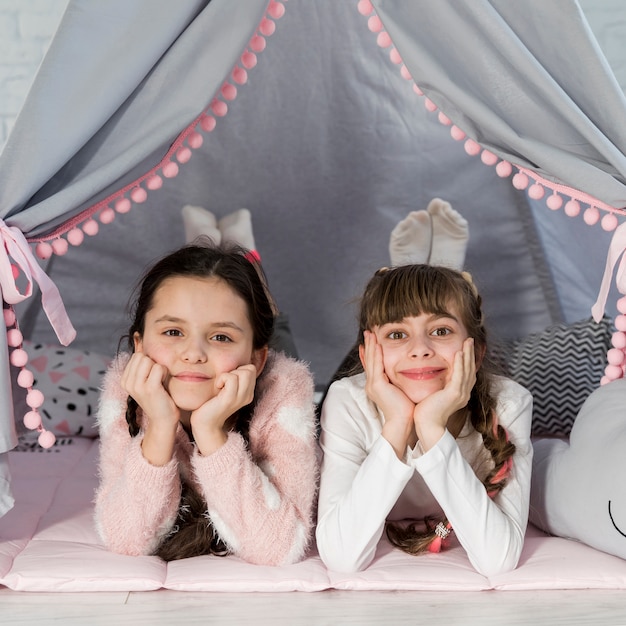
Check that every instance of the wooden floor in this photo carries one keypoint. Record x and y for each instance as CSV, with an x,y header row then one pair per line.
x,y
361,608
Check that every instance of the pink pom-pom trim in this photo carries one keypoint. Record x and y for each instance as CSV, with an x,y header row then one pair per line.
x,y
365,7
46,439
107,215
208,123
591,216
609,222
91,228
25,379
76,236
60,246
34,398
14,337
32,420
9,316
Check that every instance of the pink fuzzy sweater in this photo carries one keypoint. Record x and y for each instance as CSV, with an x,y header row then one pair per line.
x,y
260,497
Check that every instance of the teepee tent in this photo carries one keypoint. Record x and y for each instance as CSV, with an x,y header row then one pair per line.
x,y
330,121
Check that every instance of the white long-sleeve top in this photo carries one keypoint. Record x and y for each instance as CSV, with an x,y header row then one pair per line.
x,y
363,483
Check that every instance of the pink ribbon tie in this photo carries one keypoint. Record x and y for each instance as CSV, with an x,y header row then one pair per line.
x,y
15,247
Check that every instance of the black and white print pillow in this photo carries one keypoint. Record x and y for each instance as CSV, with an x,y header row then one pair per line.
x,y
560,366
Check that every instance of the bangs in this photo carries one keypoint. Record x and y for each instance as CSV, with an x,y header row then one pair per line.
x,y
409,292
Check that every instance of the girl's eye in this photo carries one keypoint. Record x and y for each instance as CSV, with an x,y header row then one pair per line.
x,y
441,332
222,338
396,334
172,332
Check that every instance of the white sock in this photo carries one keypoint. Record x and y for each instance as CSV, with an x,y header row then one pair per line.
x,y
410,240
237,228
198,221
450,235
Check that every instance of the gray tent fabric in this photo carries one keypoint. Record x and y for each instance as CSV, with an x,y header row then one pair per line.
x,y
122,80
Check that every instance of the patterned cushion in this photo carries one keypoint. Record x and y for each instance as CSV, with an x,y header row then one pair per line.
x,y
70,382
560,366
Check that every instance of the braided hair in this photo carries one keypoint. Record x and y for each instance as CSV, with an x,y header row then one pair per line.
x,y
409,291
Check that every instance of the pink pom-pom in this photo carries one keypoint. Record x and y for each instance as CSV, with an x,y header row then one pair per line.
x,y
615,356
153,183
91,227
457,134
258,43
138,195
195,140
613,372
170,170
267,27
123,205
591,216
76,236
32,420
219,108
554,202
621,305
208,123
572,208
248,60
18,357
520,181
14,337
395,57
9,317
183,155
375,24
471,147
504,169
43,250
488,158
429,105
46,439
618,340
60,246
365,7
404,72
383,39
417,90
536,191
609,222
34,398
239,75
107,215
605,380
229,92
620,323
25,379
276,9
444,119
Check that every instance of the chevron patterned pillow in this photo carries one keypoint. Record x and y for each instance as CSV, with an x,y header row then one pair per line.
x,y
560,366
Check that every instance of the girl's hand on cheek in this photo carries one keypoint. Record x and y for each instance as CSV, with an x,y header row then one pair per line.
x,y
395,405
143,379
235,389
433,413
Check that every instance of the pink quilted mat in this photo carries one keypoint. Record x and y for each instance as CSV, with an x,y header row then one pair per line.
x,y
48,543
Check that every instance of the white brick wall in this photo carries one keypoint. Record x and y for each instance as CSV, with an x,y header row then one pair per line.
x,y
26,27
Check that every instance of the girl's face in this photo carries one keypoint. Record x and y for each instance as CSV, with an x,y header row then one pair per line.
x,y
197,328
418,352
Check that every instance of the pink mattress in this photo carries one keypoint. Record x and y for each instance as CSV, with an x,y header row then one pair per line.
x,y
48,543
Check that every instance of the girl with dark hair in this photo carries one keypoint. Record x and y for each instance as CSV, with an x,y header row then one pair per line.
x,y
207,436
422,440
